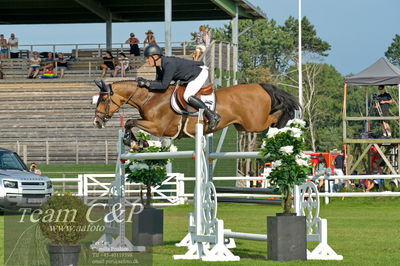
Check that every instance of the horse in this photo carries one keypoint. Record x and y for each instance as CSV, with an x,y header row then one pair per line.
x,y
249,107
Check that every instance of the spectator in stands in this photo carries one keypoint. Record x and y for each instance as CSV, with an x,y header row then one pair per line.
x,y
62,64
134,45
49,63
200,40
150,39
34,66
13,46
123,65
3,47
33,168
108,63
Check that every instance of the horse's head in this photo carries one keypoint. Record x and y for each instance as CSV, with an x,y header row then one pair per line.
x,y
107,104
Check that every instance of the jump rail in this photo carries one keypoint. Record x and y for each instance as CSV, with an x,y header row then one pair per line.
x,y
206,239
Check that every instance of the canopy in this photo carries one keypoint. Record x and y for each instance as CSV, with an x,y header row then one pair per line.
x,y
97,11
382,72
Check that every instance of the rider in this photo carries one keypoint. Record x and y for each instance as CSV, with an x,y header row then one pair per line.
x,y
171,68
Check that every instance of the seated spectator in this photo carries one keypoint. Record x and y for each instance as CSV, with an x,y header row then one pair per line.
x,y
133,45
33,168
150,39
200,40
379,183
108,63
49,63
34,66
123,65
13,46
62,64
3,47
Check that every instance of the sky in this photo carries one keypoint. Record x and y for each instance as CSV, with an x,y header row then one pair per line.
x,y
359,31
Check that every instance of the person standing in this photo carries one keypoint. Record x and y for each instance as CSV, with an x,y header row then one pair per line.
x,y
339,170
3,47
133,45
13,46
150,39
384,99
200,40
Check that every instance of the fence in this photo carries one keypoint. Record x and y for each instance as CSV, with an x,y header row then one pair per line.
x,y
95,49
219,56
55,151
96,187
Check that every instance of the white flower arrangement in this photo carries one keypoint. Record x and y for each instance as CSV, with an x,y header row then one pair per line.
x,y
286,150
290,166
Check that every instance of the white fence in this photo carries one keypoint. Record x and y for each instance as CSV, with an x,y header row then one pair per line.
x,y
96,188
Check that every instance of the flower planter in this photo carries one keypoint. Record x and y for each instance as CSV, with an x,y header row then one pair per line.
x,y
64,255
287,238
148,227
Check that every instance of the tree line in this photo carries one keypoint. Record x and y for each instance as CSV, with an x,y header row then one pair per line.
x,y
268,52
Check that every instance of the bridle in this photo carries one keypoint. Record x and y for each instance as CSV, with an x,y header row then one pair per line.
x,y
106,115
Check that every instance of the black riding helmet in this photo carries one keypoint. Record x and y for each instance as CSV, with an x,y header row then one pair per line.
x,y
152,49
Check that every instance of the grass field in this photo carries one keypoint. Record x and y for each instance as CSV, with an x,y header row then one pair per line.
x,y
364,231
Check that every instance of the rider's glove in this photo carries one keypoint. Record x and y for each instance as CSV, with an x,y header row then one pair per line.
x,y
144,83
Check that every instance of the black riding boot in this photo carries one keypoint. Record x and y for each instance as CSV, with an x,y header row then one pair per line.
x,y
213,117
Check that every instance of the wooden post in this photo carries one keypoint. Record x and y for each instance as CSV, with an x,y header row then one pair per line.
x,y
25,152
220,63
344,114
212,63
77,152
228,62
47,152
106,147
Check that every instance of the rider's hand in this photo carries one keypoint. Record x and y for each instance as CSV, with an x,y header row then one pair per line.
x,y
144,83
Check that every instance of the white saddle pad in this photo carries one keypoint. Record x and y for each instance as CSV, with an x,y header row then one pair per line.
x,y
209,100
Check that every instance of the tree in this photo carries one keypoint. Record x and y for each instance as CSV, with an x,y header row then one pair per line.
x,y
322,92
268,45
393,51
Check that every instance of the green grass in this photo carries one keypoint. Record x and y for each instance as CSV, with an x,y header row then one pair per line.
x,y
72,170
364,231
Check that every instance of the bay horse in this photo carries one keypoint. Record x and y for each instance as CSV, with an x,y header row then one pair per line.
x,y
249,107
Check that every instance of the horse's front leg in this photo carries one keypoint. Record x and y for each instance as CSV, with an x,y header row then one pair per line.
x,y
148,126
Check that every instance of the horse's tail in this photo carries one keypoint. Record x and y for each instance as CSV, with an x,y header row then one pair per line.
x,y
282,100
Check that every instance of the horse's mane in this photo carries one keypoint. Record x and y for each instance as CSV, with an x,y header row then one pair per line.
x,y
170,87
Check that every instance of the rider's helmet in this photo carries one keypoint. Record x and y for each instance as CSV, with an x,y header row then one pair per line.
x,y
152,49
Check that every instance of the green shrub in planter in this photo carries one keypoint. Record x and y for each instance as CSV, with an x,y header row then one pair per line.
x,y
63,220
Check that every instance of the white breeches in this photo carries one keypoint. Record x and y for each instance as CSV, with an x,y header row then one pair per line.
x,y
195,85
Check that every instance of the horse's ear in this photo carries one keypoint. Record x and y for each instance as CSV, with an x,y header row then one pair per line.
x,y
103,87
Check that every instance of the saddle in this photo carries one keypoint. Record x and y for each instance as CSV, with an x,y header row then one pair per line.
x,y
207,90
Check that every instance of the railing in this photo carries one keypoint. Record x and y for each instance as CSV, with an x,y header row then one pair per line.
x,y
219,56
97,48
95,188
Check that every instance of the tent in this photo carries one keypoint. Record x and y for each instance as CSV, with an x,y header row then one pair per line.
x,y
382,72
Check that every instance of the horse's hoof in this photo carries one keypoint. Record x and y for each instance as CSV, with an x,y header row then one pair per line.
x,y
134,146
129,137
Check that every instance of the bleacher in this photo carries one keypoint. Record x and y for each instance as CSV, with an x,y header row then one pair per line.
x,y
50,120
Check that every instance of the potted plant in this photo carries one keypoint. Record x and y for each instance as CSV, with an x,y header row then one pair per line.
x,y
63,220
147,226
290,166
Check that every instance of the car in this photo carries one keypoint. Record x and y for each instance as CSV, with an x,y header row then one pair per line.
x,y
20,188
